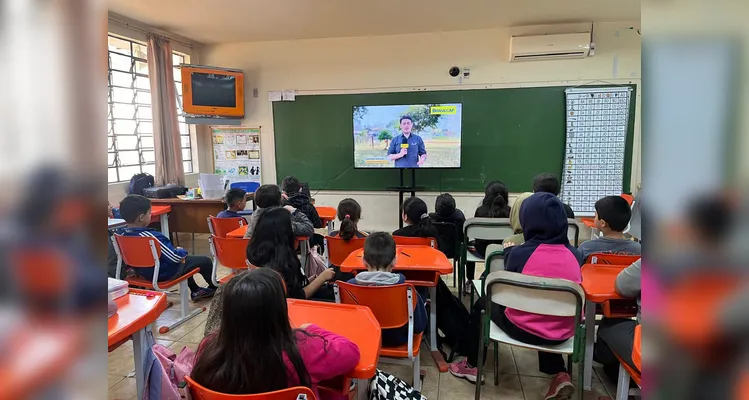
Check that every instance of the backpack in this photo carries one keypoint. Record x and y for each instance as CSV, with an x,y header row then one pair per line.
x,y
388,387
315,264
452,320
165,372
139,182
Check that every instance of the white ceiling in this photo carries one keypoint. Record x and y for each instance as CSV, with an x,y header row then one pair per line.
x,y
220,21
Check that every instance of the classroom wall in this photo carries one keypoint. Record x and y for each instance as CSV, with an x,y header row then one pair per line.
x,y
413,62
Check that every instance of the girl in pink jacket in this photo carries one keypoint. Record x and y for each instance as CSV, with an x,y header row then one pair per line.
x,y
256,351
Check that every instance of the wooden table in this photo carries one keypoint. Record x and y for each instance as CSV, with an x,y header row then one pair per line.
x,y
357,323
136,311
598,284
422,266
327,215
303,240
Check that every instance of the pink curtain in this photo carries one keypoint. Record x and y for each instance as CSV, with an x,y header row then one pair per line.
x,y
167,148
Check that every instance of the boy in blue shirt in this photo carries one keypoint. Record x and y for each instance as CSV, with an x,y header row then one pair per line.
x,y
136,211
235,202
379,257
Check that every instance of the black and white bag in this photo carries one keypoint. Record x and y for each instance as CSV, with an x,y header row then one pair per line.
x,y
388,387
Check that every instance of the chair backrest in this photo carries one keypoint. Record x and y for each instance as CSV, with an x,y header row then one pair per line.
x,y
533,294
450,238
389,304
573,231
338,249
231,253
222,226
611,259
414,241
199,392
487,228
327,209
630,199
495,258
137,251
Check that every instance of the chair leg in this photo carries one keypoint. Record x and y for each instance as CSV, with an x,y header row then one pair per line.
x,y
185,314
580,377
480,366
569,363
622,386
496,363
417,373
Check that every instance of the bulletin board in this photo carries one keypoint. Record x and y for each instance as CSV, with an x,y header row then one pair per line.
x,y
236,152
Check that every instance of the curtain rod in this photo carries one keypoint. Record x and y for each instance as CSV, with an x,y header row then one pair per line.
x,y
151,30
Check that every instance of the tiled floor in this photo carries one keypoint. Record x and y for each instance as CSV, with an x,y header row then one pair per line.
x,y
519,377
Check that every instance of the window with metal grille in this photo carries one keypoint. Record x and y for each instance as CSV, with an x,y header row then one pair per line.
x,y
130,138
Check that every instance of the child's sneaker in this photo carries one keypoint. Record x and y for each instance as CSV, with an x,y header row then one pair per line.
x,y
202,293
461,369
561,387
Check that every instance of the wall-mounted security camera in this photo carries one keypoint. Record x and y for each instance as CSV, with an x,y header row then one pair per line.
x,y
454,71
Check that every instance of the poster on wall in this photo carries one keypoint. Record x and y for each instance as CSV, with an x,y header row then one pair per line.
x,y
236,152
597,120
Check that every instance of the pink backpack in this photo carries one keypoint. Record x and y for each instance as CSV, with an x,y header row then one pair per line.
x,y
165,371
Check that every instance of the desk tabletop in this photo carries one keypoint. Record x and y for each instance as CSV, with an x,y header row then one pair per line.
x,y
158,209
357,323
116,223
326,213
598,282
135,311
414,258
240,232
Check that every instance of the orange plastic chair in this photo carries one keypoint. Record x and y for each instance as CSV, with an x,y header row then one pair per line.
x,y
414,241
626,372
388,306
144,252
611,259
630,199
199,392
337,249
231,253
222,226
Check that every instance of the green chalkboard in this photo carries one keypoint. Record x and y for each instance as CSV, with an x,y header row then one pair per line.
x,y
508,134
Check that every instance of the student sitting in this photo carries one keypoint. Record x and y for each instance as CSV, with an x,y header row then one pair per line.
x,y
235,202
273,246
295,197
446,211
494,205
349,213
517,238
114,212
616,335
416,217
379,258
549,183
612,217
268,196
547,253
136,211
255,350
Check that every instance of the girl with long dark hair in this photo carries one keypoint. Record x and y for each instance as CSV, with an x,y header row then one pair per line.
x,y
273,246
255,350
416,217
349,213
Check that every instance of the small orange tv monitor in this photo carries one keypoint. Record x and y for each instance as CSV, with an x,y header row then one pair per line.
x,y
212,91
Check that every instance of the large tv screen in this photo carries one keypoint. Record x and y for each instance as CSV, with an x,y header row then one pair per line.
x,y
407,136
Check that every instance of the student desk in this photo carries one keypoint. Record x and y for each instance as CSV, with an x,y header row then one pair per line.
x,y
422,266
116,223
36,357
304,240
136,311
598,284
161,211
357,323
327,215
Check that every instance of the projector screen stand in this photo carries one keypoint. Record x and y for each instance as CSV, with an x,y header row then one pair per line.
x,y
405,189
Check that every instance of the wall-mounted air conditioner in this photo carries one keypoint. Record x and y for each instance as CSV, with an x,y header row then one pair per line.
x,y
549,47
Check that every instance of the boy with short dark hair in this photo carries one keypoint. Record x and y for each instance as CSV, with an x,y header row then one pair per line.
x,y
549,183
295,197
174,261
269,196
379,258
446,211
611,218
235,202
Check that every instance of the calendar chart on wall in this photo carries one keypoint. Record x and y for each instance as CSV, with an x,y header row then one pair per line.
x,y
597,120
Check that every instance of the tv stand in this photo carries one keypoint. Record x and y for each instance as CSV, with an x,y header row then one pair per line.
x,y
401,188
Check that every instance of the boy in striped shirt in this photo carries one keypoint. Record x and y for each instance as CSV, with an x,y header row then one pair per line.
x,y
136,211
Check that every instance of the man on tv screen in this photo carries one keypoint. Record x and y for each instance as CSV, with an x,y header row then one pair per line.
x,y
406,149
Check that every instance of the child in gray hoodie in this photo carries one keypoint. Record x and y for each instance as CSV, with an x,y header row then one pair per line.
x,y
379,257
